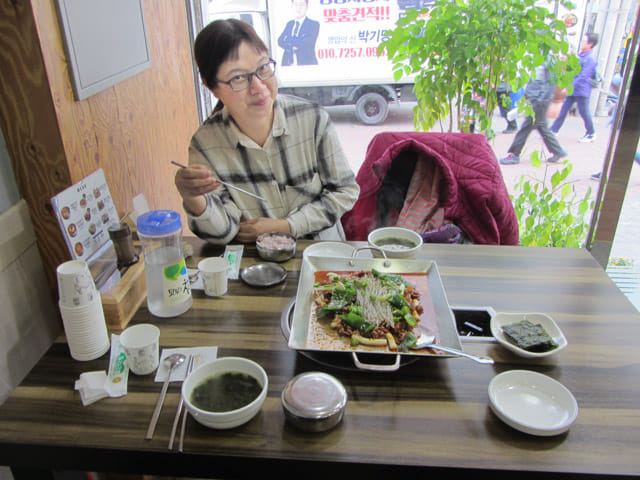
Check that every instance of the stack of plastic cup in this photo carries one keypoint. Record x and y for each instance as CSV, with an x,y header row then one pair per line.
x,y
82,314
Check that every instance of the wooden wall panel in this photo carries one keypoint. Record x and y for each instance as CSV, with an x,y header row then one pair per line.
x,y
131,130
135,128
29,123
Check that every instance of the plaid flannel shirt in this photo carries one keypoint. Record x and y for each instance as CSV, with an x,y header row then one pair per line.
x,y
301,172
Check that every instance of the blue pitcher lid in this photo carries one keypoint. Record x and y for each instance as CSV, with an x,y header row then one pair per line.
x,y
159,222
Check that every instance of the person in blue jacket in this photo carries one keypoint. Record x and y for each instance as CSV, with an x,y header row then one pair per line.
x,y
298,39
582,90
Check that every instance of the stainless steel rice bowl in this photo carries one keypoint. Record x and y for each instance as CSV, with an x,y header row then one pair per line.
x,y
276,246
314,401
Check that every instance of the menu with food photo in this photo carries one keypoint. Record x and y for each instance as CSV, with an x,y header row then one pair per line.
x,y
85,212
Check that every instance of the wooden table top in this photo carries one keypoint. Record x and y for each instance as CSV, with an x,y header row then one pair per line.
x,y
432,415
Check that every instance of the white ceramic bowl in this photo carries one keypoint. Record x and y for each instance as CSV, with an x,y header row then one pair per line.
x,y
232,418
386,234
532,402
329,249
499,320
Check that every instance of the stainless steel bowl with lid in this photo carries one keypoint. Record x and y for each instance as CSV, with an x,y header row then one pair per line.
x,y
314,401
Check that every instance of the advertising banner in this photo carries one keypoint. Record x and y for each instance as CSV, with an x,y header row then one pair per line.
x,y
321,41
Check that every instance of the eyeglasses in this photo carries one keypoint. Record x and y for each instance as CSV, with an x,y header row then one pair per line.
x,y
243,80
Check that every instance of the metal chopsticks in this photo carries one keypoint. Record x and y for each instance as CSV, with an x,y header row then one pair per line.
x,y
226,184
184,414
180,403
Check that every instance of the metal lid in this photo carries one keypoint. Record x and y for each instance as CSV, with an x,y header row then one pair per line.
x,y
314,395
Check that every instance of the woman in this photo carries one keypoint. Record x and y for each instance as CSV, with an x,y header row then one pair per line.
x,y
278,147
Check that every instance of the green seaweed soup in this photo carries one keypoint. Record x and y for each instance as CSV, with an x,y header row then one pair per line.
x,y
225,392
395,243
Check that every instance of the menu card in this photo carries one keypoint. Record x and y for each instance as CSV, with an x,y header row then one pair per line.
x,y
85,212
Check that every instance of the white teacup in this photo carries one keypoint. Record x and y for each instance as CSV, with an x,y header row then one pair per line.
x,y
213,272
141,345
75,284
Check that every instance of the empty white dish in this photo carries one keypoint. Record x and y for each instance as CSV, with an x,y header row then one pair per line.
x,y
532,403
500,319
329,249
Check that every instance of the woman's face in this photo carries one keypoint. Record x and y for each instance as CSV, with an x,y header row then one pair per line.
x,y
255,102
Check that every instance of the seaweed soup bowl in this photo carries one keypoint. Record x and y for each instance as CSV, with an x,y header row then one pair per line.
x,y
395,242
230,418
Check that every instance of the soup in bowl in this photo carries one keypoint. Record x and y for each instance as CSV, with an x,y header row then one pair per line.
x,y
396,242
226,392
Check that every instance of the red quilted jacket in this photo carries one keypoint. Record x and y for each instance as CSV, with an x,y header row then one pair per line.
x,y
473,192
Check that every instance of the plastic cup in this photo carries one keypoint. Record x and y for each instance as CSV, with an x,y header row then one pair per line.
x,y
141,345
213,272
76,287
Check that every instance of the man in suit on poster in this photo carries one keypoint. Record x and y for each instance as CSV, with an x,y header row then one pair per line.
x,y
298,39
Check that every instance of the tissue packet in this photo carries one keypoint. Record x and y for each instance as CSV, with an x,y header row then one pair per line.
x,y
116,382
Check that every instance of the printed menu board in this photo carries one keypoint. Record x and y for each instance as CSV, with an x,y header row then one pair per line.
x,y
85,212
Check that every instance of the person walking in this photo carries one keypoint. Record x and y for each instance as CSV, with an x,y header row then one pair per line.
x,y
581,90
540,93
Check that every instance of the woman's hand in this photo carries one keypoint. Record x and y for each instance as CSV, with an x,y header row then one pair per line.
x,y
192,183
251,229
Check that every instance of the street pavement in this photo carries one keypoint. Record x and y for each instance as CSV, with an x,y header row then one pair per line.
x,y
586,158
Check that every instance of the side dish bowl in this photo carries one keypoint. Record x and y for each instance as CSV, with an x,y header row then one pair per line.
x,y
276,246
230,418
532,402
500,320
395,242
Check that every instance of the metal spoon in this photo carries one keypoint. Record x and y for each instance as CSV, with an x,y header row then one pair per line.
x,y
426,341
172,361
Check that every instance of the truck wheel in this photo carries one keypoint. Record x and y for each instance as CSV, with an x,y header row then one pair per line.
x,y
372,108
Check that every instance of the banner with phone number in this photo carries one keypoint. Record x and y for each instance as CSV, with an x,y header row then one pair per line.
x,y
338,38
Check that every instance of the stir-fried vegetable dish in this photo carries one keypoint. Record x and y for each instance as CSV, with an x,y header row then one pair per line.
x,y
371,308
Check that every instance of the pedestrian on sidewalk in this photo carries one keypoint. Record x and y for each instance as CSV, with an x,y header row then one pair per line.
x,y
582,89
540,93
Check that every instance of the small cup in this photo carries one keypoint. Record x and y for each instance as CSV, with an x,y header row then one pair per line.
x,y
213,272
76,287
141,345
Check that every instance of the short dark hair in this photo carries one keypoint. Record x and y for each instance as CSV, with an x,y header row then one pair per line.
x,y
218,42
593,38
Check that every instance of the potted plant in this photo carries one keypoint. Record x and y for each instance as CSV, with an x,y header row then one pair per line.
x,y
550,212
460,51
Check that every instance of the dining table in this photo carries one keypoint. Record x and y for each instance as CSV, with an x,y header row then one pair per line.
x,y
431,416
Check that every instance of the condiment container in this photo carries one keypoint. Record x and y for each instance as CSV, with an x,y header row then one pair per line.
x,y
168,287
120,234
314,401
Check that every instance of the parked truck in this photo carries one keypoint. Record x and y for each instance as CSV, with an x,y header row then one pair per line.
x,y
331,58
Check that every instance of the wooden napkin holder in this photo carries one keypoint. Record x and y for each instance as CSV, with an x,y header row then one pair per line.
x,y
124,299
